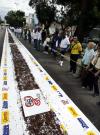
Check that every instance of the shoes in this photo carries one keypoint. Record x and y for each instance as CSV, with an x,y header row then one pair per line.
x,y
60,63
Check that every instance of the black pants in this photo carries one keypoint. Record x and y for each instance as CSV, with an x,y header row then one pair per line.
x,y
63,51
83,74
86,79
54,51
92,81
29,39
73,62
38,48
35,43
46,48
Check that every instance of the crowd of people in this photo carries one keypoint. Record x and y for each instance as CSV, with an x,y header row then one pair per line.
x,y
61,42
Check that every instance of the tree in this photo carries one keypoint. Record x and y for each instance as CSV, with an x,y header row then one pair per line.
x,y
45,11
45,14
84,13
35,2
15,18
88,18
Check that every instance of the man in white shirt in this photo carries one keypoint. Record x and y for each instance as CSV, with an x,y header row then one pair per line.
x,y
89,54
87,58
63,47
94,73
64,43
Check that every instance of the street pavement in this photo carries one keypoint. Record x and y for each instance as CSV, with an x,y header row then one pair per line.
x,y
2,33
81,97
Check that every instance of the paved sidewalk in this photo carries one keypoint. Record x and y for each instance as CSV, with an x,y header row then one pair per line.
x,y
72,86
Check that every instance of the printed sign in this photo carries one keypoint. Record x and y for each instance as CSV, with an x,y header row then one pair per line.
x,y
5,88
5,78
40,70
59,94
73,112
30,101
5,117
5,82
54,87
62,127
50,82
47,78
5,73
5,65
6,130
33,102
83,124
5,104
4,96
90,133
34,62
65,102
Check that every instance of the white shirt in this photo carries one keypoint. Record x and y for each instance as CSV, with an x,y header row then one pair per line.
x,y
19,30
46,42
35,35
88,56
64,43
39,36
97,65
52,30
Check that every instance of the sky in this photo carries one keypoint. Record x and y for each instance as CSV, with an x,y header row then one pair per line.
x,y
6,5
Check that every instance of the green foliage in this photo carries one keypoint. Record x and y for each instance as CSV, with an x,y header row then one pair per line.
x,y
85,14
34,2
45,13
15,18
91,9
